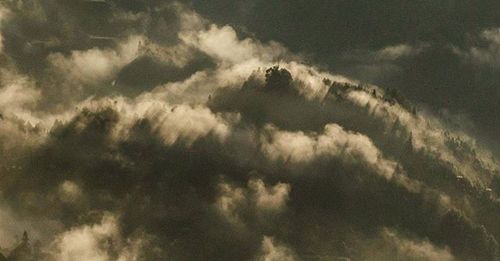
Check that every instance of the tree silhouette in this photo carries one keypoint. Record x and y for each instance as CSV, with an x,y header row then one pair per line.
x,y
278,79
25,239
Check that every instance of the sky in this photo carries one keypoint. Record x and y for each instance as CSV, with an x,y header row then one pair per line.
x,y
250,129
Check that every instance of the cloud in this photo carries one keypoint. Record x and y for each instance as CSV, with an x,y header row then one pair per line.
x,y
269,198
391,245
69,191
18,95
95,65
376,65
97,242
398,51
3,16
160,135
356,31
257,197
223,44
12,225
487,55
334,141
273,252
87,242
189,123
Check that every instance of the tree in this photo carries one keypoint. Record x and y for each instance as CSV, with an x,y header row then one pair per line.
x,y
25,239
278,79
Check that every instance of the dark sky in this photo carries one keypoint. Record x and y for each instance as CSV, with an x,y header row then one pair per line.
x,y
341,35
249,130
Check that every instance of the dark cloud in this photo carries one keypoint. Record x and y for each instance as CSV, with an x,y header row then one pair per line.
x,y
149,133
335,26
335,32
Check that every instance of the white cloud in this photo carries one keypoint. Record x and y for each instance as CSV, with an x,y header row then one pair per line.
x,y
262,199
17,95
69,191
402,248
18,116
98,242
394,52
488,55
298,147
269,198
288,146
96,65
223,44
188,123
310,79
229,201
89,242
271,251
171,122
